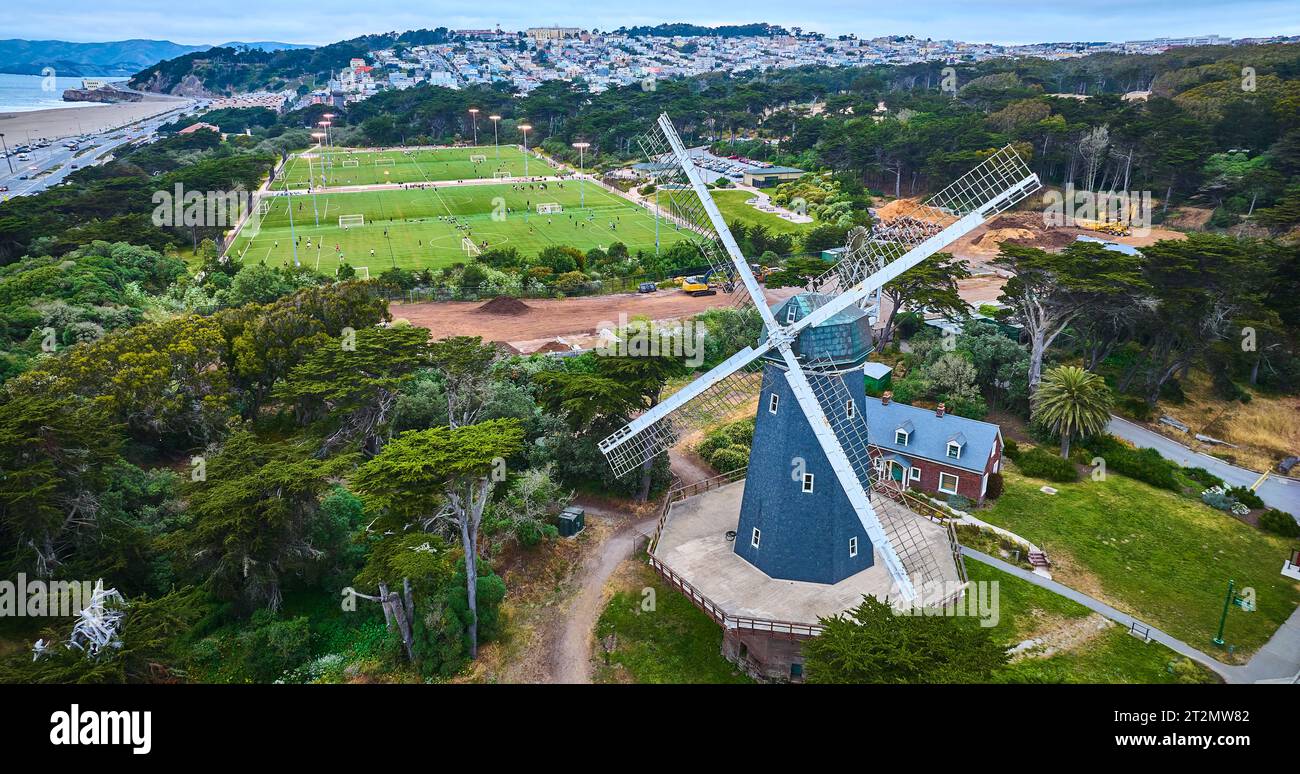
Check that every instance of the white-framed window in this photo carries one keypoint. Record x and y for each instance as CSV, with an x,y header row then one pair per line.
x,y
773,401
900,437
947,483
850,408
756,538
954,450
790,312
853,547
879,462
913,474
807,482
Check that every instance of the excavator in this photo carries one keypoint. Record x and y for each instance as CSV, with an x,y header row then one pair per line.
x,y
701,286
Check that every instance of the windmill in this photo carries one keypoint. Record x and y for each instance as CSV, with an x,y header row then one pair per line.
x,y
797,362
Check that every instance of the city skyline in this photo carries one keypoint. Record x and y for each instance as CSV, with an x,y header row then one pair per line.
x,y
996,21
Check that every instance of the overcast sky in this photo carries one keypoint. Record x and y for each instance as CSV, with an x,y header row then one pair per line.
x,y
326,21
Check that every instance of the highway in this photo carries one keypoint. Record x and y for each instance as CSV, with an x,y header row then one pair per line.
x,y
46,167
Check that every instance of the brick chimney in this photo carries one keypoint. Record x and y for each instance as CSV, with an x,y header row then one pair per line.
x,y
939,410
886,396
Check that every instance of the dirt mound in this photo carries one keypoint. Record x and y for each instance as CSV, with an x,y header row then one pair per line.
x,y
553,346
504,305
895,208
989,242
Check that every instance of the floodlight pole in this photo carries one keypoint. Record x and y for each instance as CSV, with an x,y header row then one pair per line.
x,y
656,220
474,120
495,143
524,128
582,196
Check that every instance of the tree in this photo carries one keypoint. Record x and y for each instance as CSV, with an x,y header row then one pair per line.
x,y
465,363
460,465
1072,402
1050,290
931,285
253,514
354,382
872,644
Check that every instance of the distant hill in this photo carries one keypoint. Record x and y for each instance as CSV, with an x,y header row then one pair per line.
x,y
219,71
120,57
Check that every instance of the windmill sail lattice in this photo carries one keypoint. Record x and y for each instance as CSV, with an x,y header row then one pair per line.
x,y
894,246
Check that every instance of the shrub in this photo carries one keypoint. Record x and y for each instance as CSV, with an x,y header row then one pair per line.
x,y
1203,477
1245,496
1145,465
1011,450
740,433
1279,523
994,489
1040,464
712,442
959,503
729,458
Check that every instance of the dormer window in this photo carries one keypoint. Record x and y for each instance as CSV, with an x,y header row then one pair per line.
x,y
900,437
790,312
956,443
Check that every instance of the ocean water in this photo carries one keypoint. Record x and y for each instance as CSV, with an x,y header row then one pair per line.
x,y
20,93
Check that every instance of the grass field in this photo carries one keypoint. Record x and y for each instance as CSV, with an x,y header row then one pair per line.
x,y
423,228
1163,558
334,167
733,207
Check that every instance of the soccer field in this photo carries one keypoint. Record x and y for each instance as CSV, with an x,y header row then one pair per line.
x,y
425,228
334,167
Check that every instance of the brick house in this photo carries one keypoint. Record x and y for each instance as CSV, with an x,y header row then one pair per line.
x,y
932,450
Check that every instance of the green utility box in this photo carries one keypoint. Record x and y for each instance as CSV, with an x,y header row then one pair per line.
x,y
572,520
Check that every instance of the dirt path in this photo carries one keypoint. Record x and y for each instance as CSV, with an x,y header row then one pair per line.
x,y
567,642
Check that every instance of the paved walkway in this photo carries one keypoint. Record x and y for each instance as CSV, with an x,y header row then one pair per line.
x,y
1228,673
1275,491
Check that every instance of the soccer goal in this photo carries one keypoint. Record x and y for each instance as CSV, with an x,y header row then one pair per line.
x,y
351,220
383,161
263,206
351,162
478,158
471,249
549,208
501,174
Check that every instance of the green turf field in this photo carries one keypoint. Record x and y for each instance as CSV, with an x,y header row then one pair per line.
x,y
334,167
423,228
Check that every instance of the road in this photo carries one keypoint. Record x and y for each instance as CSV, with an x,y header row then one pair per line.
x,y
56,155
1276,491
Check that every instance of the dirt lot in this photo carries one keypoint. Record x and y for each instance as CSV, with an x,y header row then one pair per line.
x,y
575,319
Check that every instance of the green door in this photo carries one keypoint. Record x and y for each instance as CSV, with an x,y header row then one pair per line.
x,y
896,471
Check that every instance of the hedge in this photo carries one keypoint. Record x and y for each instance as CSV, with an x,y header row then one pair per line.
x,y
1279,523
1040,464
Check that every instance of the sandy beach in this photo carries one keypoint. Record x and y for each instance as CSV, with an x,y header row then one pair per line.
x,y
69,122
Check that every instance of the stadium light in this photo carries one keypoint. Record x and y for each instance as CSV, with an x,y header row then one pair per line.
x,y
495,143
582,148
524,128
473,112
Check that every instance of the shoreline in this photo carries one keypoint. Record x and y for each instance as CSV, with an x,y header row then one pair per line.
x,y
57,123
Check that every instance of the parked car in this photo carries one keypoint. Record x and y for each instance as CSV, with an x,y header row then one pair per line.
x,y
647,287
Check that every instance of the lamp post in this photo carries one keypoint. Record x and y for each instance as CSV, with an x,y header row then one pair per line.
x,y
1231,599
473,112
524,128
326,126
495,143
6,147
582,149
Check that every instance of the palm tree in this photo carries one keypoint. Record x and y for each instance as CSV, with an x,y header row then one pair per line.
x,y
1072,402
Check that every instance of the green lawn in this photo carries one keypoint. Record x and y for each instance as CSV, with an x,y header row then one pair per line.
x,y
422,228
674,643
334,167
1163,558
1110,656
733,207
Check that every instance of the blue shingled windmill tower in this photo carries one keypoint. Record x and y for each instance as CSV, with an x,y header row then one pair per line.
x,y
796,521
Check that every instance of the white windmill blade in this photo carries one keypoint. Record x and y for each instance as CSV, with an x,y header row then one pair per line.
x,y
726,389
740,265
845,473
691,207
994,185
921,557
